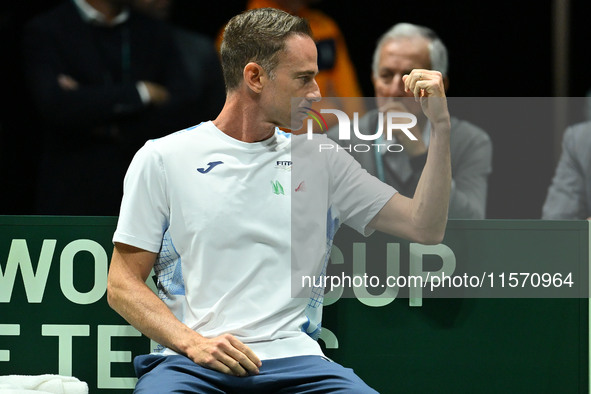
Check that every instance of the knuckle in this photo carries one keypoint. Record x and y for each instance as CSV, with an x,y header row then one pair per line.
x,y
222,346
221,339
215,353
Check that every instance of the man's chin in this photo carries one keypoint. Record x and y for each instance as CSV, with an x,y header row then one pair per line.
x,y
297,126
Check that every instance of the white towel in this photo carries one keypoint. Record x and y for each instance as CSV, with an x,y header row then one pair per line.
x,y
50,384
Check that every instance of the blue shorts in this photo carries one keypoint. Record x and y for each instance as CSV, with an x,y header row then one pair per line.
x,y
303,374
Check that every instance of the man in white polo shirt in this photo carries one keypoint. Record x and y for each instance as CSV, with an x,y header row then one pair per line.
x,y
225,222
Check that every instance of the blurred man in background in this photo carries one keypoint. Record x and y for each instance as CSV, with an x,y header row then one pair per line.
x,y
569,195
103,78
402,48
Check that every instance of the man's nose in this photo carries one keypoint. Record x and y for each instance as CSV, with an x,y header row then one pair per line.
x,y
314,94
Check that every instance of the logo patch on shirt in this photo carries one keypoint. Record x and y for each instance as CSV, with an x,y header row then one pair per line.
x,y
211,165
277,188
283,165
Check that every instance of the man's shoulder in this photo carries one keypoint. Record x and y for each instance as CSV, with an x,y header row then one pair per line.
x,y
579,132
180,140
313,142
54,17
319,151
577,141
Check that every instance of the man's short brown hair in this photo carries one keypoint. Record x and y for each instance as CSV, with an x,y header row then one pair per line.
x,y
259,36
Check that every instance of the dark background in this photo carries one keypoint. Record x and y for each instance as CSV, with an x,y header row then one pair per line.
x,y
497,49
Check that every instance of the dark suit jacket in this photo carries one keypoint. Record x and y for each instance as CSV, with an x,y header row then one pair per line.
x,y
90,134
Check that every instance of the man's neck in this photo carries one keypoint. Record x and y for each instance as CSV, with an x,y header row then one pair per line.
x,y
107,8
240,119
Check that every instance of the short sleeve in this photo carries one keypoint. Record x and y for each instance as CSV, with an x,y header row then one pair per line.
x,y
144,213
357,195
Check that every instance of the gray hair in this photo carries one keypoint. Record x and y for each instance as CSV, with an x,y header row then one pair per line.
x,y
437,51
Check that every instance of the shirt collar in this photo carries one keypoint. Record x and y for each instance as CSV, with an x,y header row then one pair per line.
x,y
91,15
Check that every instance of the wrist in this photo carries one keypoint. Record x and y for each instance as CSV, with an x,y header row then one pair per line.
x,y
187,341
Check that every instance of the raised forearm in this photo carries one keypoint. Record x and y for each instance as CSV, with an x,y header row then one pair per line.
x,y
431,200
423,217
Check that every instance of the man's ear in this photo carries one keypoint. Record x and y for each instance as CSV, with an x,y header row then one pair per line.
x,y
445,83
253,75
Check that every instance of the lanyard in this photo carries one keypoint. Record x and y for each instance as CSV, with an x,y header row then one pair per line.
x,y
379,160
379,157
